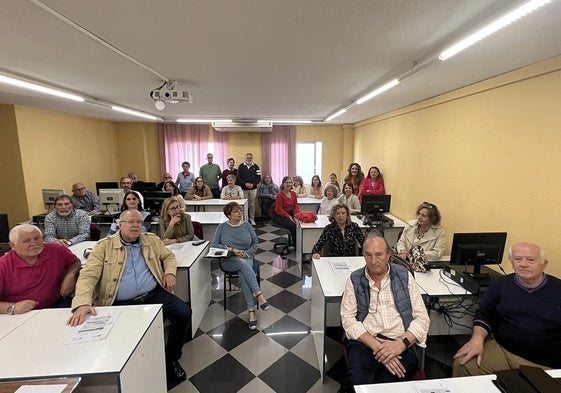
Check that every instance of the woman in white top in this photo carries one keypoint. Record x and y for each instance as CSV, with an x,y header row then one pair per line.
x,y
315,190
425,232
349,199
329,200
231,191
299,188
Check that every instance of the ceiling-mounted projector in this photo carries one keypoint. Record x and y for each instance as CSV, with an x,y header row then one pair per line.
x,y
168,93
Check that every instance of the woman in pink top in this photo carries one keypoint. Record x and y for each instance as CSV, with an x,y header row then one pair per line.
x,y
373,184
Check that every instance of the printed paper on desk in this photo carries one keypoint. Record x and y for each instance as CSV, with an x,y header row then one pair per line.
x,y
94,327
41,389
214,252
429,386
176,246
340,267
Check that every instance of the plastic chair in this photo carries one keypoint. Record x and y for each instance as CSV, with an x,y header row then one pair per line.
x,y
284,243
95,232
229,275
198,227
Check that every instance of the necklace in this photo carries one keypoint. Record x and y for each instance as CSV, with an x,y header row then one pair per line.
x,y
235,225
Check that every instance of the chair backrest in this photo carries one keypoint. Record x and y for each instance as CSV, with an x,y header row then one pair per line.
x,y
95,232
198,227
400,261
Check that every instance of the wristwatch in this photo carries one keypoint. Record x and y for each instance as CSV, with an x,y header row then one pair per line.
x,y
406,341
11,309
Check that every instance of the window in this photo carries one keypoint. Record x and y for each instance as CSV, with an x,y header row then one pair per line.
x,y
308,160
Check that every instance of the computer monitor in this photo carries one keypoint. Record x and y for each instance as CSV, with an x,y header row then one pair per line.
x,y
105,184
49,196
375,205
111,198
153,200
477,249
144,186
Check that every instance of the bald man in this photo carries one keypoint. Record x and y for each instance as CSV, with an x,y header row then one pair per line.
x,y
518,321
34,274
84,199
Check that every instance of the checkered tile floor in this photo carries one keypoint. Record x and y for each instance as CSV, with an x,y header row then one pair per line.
x,y
225,356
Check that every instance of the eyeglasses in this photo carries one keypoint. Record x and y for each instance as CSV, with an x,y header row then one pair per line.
x,y
80,189
132,222
167,177
174,208
428,205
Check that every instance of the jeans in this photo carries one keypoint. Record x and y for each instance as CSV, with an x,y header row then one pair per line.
x,y
248,279
365,369
176,311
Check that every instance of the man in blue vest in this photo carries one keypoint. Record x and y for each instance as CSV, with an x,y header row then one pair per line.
x,y
384,316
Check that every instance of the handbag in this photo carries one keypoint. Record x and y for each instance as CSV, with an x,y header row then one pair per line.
x,y
418,260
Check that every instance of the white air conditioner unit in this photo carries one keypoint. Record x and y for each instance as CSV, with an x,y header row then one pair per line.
x,y
243,126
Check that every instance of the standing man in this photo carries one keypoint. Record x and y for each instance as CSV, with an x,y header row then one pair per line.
x,y
66,225
185,179
131,268
383,315
84,199
522,311
211,174
229,171
35,275
249,176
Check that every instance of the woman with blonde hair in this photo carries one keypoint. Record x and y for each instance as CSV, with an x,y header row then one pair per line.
x,y
299,188
175,226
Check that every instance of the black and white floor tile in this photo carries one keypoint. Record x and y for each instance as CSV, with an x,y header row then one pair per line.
x,y
225,356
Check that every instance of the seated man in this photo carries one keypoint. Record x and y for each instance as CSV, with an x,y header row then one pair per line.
x,y
66,225
125,184
34,274
160,185
522,312
84,199
383,315
129,268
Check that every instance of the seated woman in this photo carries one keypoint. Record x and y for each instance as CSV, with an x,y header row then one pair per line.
x,y
286,206
133,200
315,190
424,232
329,200
169,186
199,191
175,226
373,184
342,237
334,182
239,238
355,176
231,190
267,191
349,199
299,187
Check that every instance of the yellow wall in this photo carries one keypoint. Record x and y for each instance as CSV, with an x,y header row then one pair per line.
x,y
139,151
58,150
487,155
12,184
240,143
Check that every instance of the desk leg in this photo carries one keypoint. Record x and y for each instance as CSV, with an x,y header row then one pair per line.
x,y
299,247
145,371
200,291
317,321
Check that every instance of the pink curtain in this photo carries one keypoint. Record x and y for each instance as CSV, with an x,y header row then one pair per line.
x,y
220,148
182,142
279,152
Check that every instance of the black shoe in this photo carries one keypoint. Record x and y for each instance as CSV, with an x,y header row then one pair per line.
x,y
175,374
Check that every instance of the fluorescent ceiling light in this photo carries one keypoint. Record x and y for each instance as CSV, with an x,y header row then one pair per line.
x,y
184,120
378,91
493,27
134,113
39,88
338,113
285,121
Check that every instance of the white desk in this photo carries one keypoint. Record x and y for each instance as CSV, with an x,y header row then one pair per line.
x,y
308,204
307,233
130,359
478,383
328,288
209,221
8,325
193,279
79,248
214,205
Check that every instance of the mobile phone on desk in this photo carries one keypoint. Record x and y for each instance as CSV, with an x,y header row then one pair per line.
x,y
198,242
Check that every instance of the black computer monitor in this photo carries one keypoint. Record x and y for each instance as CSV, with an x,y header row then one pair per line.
x,y
105,184
375,205
153,200
477,249
144,186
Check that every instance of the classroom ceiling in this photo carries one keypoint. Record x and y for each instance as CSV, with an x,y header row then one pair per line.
x,y
259,59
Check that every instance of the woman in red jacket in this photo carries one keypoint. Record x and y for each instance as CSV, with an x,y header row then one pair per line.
x,y
286,206
373,184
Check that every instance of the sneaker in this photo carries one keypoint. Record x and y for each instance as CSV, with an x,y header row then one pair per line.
x,y
251,221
